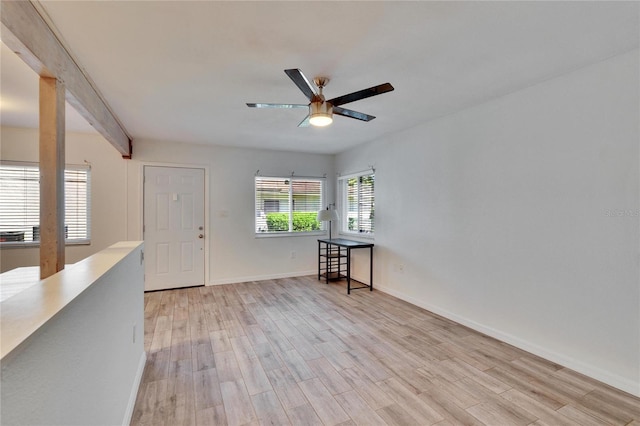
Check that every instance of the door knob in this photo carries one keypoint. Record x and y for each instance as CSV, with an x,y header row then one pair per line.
x,y
201,236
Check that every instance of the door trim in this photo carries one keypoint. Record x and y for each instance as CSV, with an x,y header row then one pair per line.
x,y
208,233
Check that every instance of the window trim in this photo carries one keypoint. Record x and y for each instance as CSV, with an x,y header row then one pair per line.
x,y
343,205
68,242
321,231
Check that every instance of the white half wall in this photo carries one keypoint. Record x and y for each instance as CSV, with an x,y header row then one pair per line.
x,y
520,218
72,345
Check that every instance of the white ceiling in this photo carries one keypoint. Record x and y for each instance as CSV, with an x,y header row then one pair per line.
x,y
183,71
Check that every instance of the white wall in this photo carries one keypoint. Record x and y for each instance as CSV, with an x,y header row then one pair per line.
x,y
505,218
235,254
108,191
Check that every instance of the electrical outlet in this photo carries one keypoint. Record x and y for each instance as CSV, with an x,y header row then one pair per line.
x,y
293,255
134,333
401,268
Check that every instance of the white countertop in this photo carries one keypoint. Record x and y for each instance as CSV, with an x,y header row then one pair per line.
x,y
24,312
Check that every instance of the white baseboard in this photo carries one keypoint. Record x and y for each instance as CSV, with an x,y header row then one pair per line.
x,y
623,383
134,390
262,277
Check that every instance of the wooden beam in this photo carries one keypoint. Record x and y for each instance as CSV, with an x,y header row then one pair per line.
x,y
27,34
51,176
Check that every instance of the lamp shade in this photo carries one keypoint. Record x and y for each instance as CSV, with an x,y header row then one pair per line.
x,y
327,215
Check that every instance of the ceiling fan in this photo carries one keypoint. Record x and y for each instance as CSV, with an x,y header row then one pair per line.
x,y
320,110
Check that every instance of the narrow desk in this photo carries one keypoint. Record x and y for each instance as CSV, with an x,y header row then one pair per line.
x,y
335,250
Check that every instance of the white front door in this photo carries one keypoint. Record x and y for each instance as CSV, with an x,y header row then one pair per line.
x,y
173,227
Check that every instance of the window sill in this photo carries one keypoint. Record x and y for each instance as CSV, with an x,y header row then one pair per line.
x,y
350,235
289,234
17,245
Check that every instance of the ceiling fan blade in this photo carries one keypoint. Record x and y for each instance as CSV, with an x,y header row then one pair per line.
x,y
352,114
301,81
263,105
305,122
361,94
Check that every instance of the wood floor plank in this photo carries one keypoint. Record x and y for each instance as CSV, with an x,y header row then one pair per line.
x,y
537,409
498,411
358,410
297,351
237,403
453,392
268,358
369,365
579,417
413,405
286,387
254,376
545,395
451,412
396,416
161,339
206,388
157,367
181,401
269,409
304,415
210,416
297,365
327,408
203,356
227,367
220,341
371,393
333,381
306,350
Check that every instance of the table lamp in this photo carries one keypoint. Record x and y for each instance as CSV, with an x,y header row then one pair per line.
x,y
327,216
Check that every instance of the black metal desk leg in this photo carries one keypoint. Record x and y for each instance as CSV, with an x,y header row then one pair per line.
x,y
319,258
329,265
348,270
370,268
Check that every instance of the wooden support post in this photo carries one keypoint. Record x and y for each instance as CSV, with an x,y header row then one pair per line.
x,y
52,158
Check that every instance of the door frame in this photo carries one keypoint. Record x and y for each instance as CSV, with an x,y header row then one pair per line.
x,y
207,228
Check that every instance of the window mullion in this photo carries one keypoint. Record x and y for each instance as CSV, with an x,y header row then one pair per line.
x,y
290,205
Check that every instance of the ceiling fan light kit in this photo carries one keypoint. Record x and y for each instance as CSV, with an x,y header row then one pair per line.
x,y
320,110
320,114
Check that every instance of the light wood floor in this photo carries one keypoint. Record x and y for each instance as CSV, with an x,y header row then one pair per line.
x,y
297,351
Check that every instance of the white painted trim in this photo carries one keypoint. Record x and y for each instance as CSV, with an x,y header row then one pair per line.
x,y
263,277
623,383
207,186
128,415
356,174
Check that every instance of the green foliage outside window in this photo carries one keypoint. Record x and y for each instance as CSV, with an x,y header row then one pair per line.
x,y
302,221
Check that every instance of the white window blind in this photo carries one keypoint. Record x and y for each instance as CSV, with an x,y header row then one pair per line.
x,y
20,203
287,204
358,203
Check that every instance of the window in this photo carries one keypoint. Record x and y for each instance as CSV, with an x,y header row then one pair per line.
x,y
288,205
358,203
20,204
